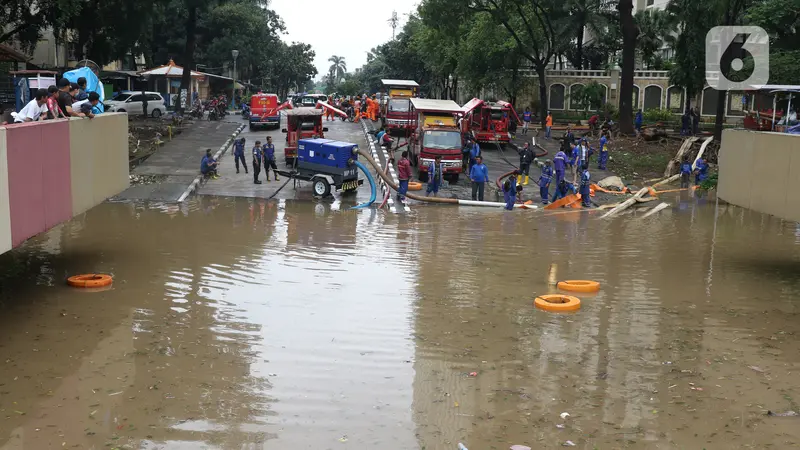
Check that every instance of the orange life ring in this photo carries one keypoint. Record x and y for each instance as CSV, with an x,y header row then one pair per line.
x,y
414,186
579,285
92,280
557,303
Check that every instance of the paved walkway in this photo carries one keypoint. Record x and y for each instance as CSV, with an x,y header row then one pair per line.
x,y
179,160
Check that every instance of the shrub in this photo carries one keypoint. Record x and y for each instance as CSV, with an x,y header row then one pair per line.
x,y
658,115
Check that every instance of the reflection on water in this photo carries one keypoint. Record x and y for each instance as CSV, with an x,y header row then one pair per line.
x,y
240,323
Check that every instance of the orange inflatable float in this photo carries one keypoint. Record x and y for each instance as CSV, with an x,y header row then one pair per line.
x,y
557,303
579,285
93,280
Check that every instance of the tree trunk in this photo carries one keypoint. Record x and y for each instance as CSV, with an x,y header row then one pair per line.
x,y
579,46
540,71
689,96
629,34
191,41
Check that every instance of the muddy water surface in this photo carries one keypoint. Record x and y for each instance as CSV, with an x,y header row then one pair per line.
x,y
236,323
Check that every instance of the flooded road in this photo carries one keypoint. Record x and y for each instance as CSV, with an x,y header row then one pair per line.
x,y
246,324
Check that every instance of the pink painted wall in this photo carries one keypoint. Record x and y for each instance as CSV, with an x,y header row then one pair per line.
x,y
38,177
55,170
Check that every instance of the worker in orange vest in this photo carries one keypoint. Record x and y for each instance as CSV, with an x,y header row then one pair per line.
x,y
357,110
373,115
329,114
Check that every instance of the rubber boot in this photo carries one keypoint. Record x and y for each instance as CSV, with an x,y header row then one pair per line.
x,y
519,179
276,176
526,180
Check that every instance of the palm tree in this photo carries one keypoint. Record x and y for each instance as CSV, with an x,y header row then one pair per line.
x,y
656,28
338,68
580,16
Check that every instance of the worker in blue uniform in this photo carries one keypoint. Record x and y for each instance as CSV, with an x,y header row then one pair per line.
x,y
510,190
479,175
435,171
638,121
258,156
560,166
686,172
474,154
574,150
700,171
544,181
238,154
603,160
208,165
269,158
584,186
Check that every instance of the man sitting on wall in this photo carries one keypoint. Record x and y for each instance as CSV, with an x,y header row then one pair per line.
x,y
208,166
35,110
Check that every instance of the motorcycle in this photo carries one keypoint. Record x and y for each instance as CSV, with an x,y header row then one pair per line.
x,y
245,112
350,114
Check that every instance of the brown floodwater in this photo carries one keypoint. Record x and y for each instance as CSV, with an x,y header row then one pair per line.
x,y
245,324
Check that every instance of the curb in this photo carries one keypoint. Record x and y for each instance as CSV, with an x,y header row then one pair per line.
x,y
196,182
383,185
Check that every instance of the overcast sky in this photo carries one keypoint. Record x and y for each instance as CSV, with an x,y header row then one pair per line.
x,y
346,28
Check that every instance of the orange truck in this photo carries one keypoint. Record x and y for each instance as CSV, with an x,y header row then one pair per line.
x,y
396,108
436,133
264,111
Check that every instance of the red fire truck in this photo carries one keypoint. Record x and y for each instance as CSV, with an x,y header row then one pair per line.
x,y
396,108
436,132
488,121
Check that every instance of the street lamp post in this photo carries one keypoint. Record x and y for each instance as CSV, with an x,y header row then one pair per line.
x,y
235,54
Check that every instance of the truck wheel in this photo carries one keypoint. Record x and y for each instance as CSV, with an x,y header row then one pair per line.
x,y
252,127
423,177
321,187
290,162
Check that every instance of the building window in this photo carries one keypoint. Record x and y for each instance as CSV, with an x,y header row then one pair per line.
x,y
650,2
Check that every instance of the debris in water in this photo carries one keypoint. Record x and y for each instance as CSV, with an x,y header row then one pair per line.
x,y
564,415
461,446
757,369
520,447
569,444
343,438
473,374
560,426
783,414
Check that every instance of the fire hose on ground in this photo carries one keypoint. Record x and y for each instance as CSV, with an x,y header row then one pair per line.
x,y
373,194
450,201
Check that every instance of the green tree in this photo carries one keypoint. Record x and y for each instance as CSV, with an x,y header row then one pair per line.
x,y
781,19
693,20
629,35
292,68
579,17
24,21
589,96
338,68
655,29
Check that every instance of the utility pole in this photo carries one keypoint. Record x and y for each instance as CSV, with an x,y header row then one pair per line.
x,y
393,22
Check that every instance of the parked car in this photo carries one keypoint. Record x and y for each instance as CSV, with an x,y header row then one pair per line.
x,y
310,100
131,102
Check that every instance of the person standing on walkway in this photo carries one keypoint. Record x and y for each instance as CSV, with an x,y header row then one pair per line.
x,y
686,120
404,175
435,171
585,191
638,121
238,154
269,159
544,181
357,110
525,160
695,121
479,174
526,120
548,124
258,155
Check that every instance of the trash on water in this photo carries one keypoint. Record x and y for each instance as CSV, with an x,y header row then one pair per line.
x,y
757,369
343,438
519,447
569,444
564,415
473,374
560,426
783,414
461,446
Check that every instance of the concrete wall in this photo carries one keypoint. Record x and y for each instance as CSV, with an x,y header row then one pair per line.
x,y
52,171
758,170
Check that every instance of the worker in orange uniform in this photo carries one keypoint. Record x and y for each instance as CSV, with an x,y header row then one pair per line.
x,y
357,110
329,114
373,113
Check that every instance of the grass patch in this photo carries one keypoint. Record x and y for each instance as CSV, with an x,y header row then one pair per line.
x,y
638,165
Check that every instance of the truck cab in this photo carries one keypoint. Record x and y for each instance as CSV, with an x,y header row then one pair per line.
x,y
396,110
436,134
264,111
488,121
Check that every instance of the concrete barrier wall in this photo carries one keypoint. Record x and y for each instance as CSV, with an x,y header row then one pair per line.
x,y
758,170
52,171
